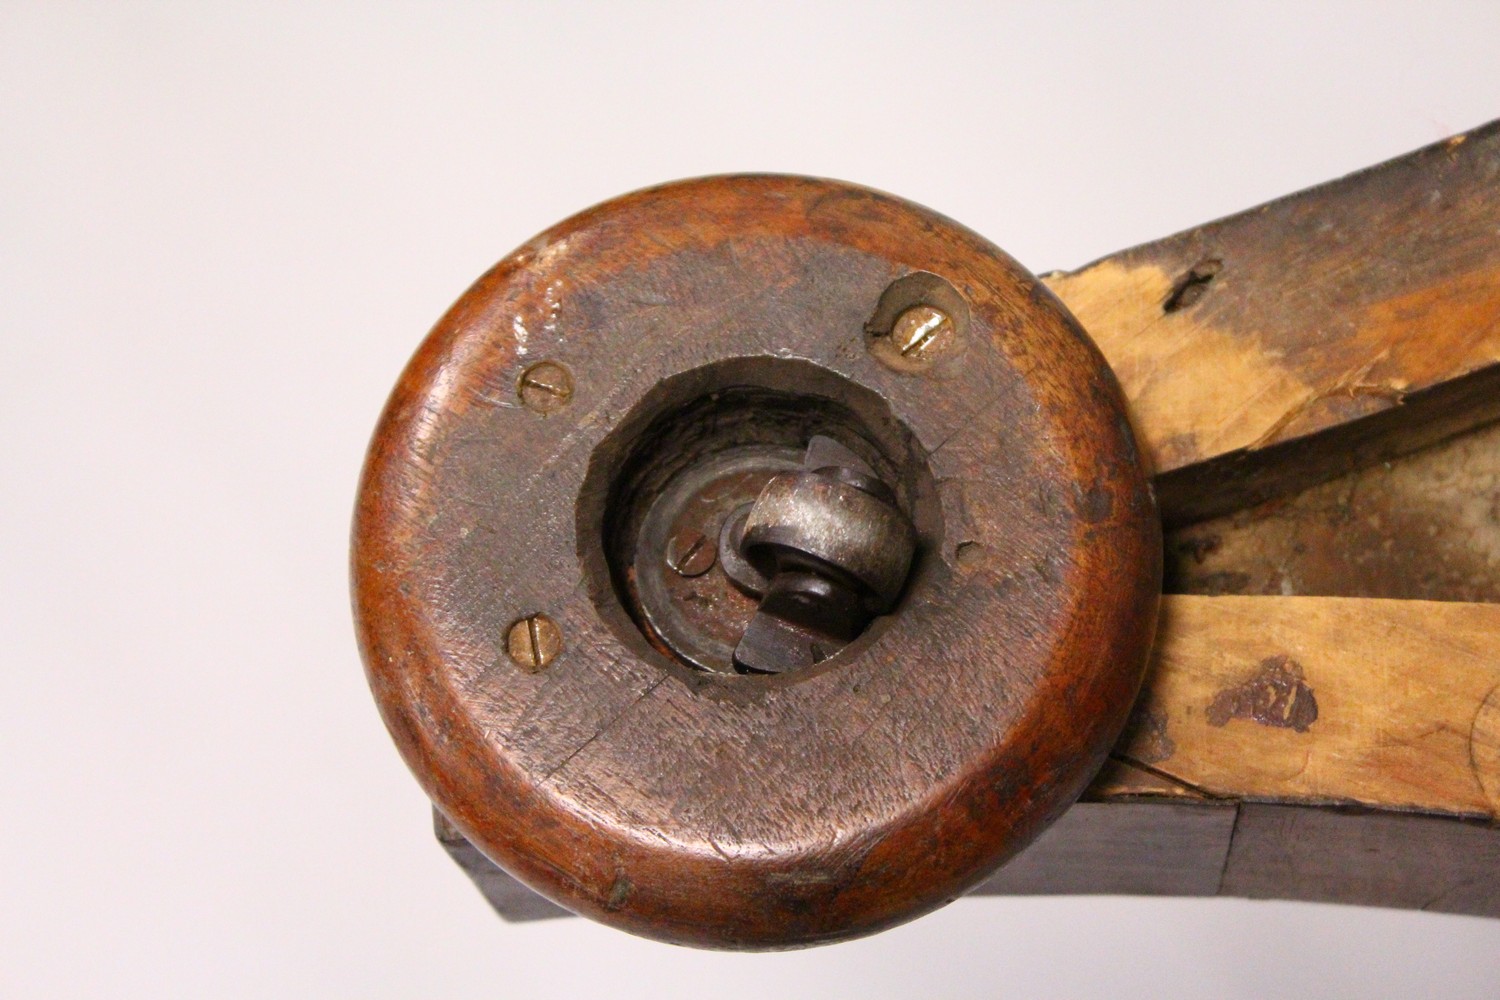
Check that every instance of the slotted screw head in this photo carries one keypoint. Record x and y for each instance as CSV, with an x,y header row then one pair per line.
x,y
921,331
691,553
545,387
533,642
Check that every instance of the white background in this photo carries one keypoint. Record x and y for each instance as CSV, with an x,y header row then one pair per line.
x,y
222,232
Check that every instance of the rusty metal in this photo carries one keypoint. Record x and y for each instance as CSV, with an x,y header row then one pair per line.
x,y
834,550
691,553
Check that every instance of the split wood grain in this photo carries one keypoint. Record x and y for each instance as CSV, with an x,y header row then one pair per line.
x,y
1320,332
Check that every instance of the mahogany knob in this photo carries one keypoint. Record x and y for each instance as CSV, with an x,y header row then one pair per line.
x,y
552,578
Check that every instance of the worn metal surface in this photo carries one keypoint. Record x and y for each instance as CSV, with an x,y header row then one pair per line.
x,y
699,616
846,527
533,642
833,550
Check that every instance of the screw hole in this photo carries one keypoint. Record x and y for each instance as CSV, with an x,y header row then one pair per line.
x,y
969,555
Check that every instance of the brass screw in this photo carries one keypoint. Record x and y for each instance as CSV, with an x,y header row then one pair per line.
x,y
533,642
691,553
546,387
918,337
921,331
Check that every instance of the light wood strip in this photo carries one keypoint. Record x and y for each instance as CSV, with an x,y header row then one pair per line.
x,y
1381,703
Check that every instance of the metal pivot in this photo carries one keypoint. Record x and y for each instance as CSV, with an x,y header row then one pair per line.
x,y
826,549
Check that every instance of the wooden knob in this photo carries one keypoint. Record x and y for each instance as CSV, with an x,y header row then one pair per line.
x,y
549,588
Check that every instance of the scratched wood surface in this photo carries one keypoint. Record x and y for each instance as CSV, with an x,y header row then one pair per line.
x,y
1321,332
742,811
1332,749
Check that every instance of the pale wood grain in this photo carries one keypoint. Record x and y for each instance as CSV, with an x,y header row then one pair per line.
x,y
1406,697
1242,342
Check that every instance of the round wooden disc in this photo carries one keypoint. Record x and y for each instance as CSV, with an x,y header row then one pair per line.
x,y
738,811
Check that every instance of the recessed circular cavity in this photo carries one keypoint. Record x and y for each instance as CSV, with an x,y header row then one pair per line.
x,y
703,325
691,455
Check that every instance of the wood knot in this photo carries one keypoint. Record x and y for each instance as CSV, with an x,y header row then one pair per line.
x,y
1277,695
1190,287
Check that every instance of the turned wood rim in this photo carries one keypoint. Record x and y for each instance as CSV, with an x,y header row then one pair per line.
x,y
754,815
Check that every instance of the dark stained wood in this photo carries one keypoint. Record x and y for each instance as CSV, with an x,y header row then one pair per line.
x,y
1137,848
512,900
1161,847
1389,707
740,811
1149,848
1365,858
1323,332
1425,526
